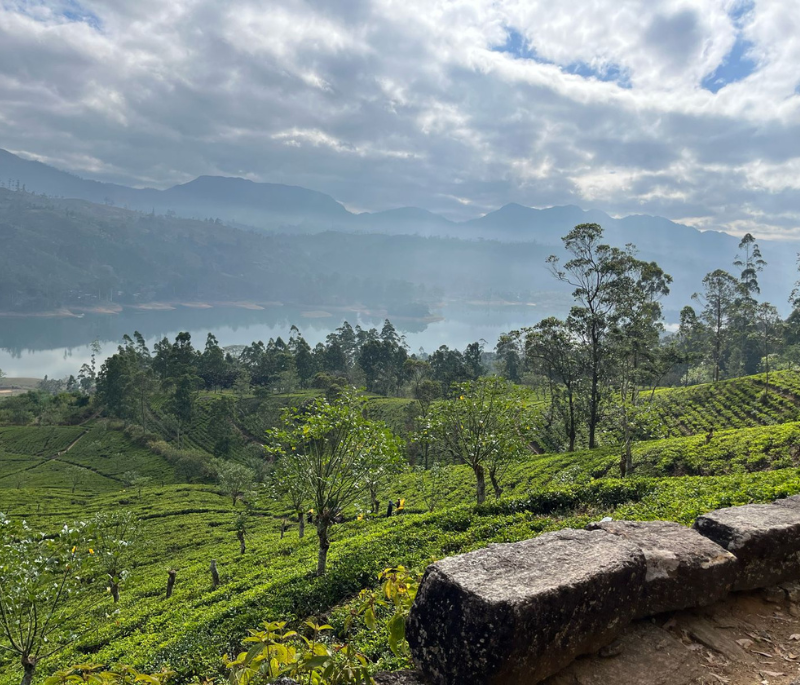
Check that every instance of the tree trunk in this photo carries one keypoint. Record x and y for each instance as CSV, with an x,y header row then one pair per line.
x,y
593,410
214,574
240,535
572,429
626,459
480,483
170,582
283,527
114,587
302,524
324,545
594,399
28,668
498,491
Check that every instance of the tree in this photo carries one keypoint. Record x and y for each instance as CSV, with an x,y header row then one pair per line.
x,y
181,403
602,277
235,480
45,599
744,353
221,427
510,355
285,483
448,367
751,264
634,345
769,325
212,366
425,393
330,447
115,536
484,427
304,361
690,339
555,347
718,299
241,386
431,484
134,479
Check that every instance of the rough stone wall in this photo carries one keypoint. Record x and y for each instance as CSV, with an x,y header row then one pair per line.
x,y
514,614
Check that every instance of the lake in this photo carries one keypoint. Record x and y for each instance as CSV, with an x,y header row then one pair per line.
x,y
57,347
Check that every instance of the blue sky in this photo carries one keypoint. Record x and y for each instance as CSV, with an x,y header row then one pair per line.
x,y
688,109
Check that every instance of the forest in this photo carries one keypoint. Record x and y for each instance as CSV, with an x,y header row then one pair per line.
x,y
191,513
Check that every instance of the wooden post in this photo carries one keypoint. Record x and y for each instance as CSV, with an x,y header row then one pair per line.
x,y
170,581
214,574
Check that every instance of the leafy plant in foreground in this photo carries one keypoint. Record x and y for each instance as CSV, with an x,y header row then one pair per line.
x,y
46,594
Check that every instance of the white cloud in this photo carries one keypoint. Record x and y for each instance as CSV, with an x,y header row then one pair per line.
x,y
384,103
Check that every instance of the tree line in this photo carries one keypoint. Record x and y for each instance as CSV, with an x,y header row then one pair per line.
x,y
598,367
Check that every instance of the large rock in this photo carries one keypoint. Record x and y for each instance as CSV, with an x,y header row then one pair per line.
x,y
517,613
793,501
765,539
684,569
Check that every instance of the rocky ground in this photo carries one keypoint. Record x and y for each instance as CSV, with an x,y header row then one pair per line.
x,y
750,638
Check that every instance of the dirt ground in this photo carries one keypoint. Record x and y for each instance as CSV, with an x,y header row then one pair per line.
x,y
748,639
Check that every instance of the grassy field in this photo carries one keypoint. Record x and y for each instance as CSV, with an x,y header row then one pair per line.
x,y
750,457
16,386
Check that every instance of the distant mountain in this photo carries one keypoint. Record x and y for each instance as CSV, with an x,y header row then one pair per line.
x,y
263,205
684,252
293,209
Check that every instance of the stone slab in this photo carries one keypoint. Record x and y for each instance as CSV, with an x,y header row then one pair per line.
x,y
514,614
765,539
793,501
684,568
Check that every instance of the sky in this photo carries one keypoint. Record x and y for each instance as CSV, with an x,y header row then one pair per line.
x,y
684,109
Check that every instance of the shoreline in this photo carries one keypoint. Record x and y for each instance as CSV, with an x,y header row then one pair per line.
x,y
307,311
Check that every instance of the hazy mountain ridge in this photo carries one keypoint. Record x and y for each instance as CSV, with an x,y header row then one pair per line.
x,y
273,206
497,256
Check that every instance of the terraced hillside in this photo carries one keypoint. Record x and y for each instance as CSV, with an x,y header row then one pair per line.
x,y
91,457
736,403
185,526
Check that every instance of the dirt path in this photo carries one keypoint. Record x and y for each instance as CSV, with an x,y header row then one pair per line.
x,y
70,446
747,639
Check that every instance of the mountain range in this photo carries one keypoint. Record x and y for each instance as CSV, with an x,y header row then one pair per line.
x,y
686,253
286,208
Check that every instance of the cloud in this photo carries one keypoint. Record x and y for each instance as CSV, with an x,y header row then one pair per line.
x,y
677,107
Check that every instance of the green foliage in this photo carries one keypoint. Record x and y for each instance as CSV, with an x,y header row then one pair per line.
x,y
275,653
46,593
485,427
115,539
329,451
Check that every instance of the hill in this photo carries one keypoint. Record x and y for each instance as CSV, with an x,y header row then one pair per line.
x,y
752,458
59,253
684,252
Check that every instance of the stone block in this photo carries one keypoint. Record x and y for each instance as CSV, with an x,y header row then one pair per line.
x,y
684,569
793,501
514,614
765,539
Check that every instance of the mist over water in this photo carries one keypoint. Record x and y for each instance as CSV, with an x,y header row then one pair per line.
x,y
57,347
